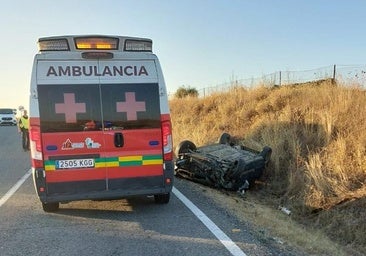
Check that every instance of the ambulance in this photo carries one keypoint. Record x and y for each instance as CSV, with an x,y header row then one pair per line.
x,y
100,125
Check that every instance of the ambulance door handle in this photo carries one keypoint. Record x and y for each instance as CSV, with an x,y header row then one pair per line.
x,y
118,139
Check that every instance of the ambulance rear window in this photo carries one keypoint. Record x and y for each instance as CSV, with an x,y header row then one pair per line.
x,y
85,107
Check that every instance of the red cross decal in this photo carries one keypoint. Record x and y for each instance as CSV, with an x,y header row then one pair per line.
x,y
70,107
131,106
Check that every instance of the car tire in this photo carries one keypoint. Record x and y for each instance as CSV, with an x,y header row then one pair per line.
x,y
185,147
224,138
266,154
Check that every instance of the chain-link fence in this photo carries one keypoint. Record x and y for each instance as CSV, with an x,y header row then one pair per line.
x,y
351,74
354,75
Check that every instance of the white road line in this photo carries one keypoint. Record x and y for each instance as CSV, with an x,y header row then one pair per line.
x,y
221,236
15,187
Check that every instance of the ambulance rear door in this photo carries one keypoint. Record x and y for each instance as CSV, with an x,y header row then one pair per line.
x,y
71,125
132,126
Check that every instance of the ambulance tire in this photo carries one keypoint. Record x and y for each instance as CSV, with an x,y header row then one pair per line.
x,y
162,198
50,207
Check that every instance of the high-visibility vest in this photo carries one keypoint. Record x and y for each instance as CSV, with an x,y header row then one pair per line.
x,y
24,123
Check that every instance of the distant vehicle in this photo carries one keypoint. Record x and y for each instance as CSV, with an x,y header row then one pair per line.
x,y
7,117
221,165
100,124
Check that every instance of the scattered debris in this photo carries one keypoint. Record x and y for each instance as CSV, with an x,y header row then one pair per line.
x,y
278,240
221,165
284,210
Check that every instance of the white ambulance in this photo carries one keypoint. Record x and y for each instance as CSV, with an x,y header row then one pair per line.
x,y
99,120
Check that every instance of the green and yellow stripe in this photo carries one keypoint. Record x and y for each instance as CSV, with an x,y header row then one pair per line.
x,y
121,161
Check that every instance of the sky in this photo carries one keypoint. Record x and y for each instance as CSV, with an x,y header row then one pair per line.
x,y
200,43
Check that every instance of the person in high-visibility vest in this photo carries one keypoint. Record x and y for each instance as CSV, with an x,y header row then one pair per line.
x,y
23,127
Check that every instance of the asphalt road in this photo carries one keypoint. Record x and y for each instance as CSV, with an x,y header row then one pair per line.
x,y
191,224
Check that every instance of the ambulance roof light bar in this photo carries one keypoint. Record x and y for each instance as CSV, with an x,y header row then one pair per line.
x,y
94,42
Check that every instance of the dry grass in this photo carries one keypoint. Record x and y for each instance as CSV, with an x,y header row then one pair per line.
x,y
318,135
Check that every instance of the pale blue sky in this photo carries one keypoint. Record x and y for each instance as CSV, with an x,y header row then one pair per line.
x,y
199,43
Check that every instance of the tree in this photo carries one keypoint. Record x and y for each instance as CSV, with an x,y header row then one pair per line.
x,y
183,92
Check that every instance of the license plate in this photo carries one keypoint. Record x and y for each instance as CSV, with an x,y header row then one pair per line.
x,y
74,163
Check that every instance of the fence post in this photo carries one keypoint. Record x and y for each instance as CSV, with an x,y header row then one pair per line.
x,y
334,73
280,79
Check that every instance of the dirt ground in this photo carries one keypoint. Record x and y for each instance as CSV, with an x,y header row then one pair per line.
x,y
270,222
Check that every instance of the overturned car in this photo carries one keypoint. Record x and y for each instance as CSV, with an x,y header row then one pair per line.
x,y
221,165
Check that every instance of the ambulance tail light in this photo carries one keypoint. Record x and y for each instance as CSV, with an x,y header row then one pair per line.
x,y
132,45
167,140
36,147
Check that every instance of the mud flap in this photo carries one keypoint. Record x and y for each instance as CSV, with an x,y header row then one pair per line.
x,y
39,179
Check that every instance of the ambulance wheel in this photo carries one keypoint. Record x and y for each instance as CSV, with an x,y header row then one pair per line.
x,y
162,198
50,207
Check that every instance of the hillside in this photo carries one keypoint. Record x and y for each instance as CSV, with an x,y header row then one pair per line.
x,y
318,135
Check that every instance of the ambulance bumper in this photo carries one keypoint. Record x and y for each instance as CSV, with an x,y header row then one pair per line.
x,y
101,189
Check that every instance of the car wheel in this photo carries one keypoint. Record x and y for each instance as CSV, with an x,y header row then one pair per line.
x,y
185,147
50,207
162,198
224,138
266,154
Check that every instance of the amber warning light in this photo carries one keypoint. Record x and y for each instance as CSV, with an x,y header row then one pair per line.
x,y
96,43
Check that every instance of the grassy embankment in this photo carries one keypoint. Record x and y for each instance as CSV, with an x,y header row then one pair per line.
x,y
318,135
